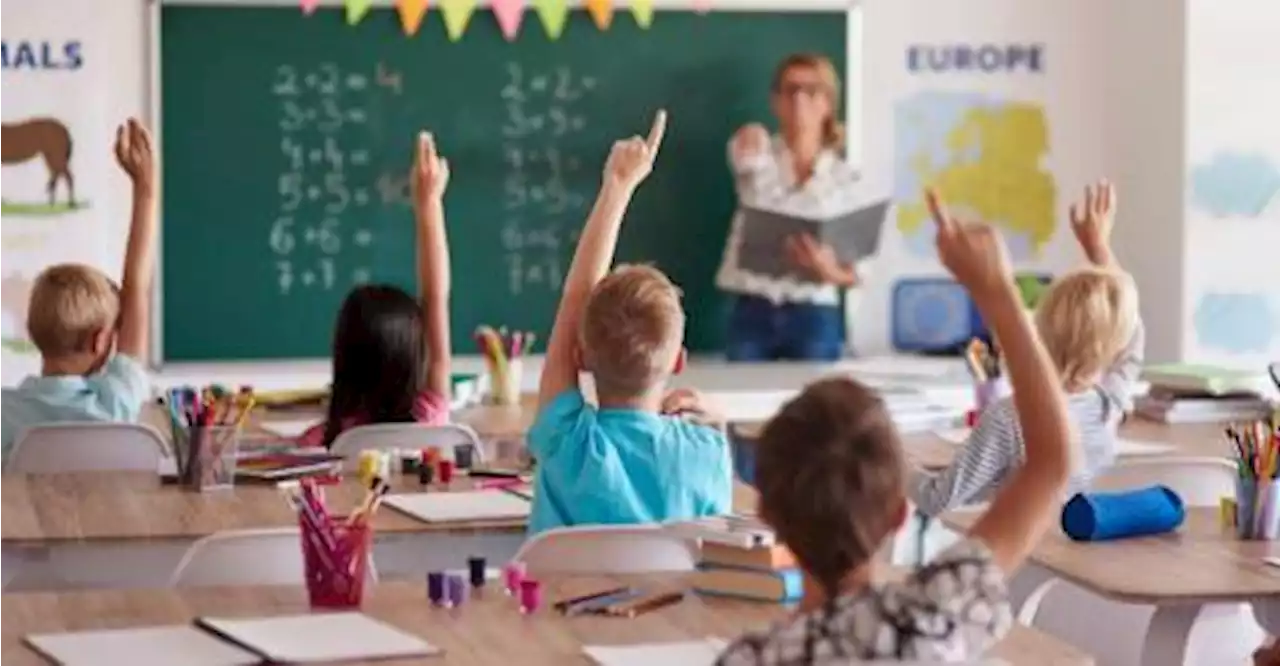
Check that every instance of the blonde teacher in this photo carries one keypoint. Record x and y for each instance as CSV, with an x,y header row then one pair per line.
x,y
801,171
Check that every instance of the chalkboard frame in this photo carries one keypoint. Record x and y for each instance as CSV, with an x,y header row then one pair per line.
x,y
853,115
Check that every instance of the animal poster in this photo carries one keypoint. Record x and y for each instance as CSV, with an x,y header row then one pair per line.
x,y
72,70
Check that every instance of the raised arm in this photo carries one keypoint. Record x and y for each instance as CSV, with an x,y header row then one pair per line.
x,y
629,162
1024,509
430,179
1092,223
136,156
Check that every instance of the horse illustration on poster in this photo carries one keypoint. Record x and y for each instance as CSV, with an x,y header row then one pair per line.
x,y
49,139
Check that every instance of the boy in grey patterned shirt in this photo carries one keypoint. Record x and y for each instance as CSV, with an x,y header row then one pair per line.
x,y
831,478
1090,324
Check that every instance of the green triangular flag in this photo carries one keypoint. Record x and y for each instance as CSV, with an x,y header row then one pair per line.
x,y
554,14
642,10
456,13
356,9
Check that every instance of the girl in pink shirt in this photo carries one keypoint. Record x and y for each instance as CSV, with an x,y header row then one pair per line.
x,y
391,353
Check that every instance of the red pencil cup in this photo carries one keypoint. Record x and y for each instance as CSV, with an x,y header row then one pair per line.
x,y
336,562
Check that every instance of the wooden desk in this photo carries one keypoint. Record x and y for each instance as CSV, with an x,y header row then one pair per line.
x,y
1178,573
489,630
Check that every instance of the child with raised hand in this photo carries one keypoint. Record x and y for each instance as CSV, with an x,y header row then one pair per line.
x,y
1090,325
92,335
623,461
391,353
830,476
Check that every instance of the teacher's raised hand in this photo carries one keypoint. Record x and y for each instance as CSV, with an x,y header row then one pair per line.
x,y
819,261
750,141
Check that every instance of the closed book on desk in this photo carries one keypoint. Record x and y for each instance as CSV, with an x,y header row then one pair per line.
x,y
783,586
1207,379
766,558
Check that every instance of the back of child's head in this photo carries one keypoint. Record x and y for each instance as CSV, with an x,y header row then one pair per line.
x,y
73,310
830,473
632,330
1085,320
378,358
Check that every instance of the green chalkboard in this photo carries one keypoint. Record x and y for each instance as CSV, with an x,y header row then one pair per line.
x,y
286,143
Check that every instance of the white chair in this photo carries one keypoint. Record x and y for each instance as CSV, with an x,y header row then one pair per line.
x,y
247,557
407,436
608,549
1118,633
87,447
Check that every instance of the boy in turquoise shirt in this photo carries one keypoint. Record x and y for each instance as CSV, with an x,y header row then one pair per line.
x,y
630,460
91,335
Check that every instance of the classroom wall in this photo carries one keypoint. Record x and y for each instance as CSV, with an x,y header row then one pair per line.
x,y
80,62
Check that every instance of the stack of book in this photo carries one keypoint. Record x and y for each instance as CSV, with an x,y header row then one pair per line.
x,y
740,559
1185,393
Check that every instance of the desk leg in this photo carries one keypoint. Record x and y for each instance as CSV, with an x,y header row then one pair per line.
x,y
1168,635
1223,634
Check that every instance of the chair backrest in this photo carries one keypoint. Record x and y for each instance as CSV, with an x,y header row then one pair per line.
x,y
1199,481
247,557
608,549
87,447
407,436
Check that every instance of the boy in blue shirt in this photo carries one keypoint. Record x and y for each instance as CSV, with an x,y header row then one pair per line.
x,y
625,461
92,336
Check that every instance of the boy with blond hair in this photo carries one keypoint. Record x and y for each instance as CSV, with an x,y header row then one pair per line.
x,y
628,460
1090,326
830,471
92,336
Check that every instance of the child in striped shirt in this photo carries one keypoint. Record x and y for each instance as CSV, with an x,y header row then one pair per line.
x,y
1090,325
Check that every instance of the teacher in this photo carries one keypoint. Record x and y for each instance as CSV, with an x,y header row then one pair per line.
x,y
801,171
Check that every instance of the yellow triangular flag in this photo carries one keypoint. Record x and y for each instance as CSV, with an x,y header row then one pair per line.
x,y
601,12
642,10
356,9
457,13
411,13
553,13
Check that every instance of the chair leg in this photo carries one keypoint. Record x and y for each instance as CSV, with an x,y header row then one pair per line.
x,y
1168,635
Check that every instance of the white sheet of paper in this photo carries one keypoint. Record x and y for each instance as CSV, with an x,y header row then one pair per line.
x,y
749,406
1130,447
319,638
461,506
289,428
146,646
684,653
904,366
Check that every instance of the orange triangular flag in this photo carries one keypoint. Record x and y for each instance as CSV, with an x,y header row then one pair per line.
x,y
601,12
411,14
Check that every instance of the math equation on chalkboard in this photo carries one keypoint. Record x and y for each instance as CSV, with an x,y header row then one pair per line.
x,y
543,210
324,176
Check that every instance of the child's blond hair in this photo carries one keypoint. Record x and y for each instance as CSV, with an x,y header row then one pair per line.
x,y
1085,320
632,330
70,304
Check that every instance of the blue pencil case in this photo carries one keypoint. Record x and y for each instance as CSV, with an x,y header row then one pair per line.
x,y
1120,515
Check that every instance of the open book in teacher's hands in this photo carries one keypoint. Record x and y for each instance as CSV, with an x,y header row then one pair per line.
x,y
853,234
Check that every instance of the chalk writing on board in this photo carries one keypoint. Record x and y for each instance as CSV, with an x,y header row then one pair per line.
x,y
543,108
325,174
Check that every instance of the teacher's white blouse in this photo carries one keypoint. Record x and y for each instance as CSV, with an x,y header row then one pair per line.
x,y
768,181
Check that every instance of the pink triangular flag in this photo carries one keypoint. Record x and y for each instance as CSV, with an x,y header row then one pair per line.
x,y
601,12
309,7
702,6
509,14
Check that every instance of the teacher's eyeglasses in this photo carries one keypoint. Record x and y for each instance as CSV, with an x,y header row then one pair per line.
x,y
791,89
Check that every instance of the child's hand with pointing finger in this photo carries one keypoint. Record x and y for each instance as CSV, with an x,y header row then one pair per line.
x,y
430,174
631,160
972,251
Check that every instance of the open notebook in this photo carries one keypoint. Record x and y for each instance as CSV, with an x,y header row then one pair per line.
x,y
319,638
451,507
145,646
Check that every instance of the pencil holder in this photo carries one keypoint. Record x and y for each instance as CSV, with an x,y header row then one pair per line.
x,y
1257,508
504,382
335,557
206,456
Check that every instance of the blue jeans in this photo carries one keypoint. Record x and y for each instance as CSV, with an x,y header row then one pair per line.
x,y
762,331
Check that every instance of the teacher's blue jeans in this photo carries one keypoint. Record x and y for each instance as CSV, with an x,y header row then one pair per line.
x,y
759,330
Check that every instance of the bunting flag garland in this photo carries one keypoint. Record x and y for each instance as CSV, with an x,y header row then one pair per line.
x,y
702,6
457,13
509,14
309,7
642,10
601,12
554,14
356,9
411,14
